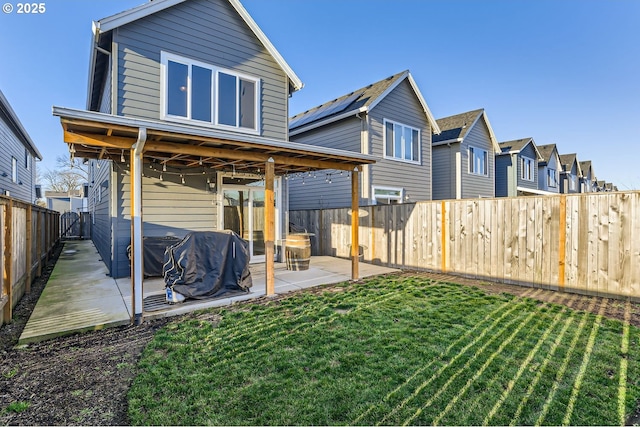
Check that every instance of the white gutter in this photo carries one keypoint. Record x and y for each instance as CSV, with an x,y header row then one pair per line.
x,y
137,260
320,123
447,142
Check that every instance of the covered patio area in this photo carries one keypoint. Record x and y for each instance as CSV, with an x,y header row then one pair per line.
x,y
80,296
92,135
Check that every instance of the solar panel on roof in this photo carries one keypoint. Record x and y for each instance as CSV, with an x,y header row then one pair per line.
x,y
342,105
325,110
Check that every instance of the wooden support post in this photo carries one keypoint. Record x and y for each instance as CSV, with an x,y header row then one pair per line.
x,y
355,224
444,237
29,245
39,241
7,277
137,261
269,226
563,242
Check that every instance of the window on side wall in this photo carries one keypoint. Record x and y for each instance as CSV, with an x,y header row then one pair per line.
x,y
552,178
478,161
14,169
26,159
527,167
193,91
387,195
401,142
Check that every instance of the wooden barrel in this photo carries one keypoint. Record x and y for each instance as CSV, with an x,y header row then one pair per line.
x,y
298,251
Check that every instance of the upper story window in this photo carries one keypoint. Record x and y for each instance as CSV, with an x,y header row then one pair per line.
x,y
572,182
14,169
26,159
401,142
527,168
552,178
478,161
195,91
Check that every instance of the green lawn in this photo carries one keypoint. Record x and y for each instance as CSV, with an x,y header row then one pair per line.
x,y
390,351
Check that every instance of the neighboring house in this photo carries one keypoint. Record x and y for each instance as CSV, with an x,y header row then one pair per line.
x,y
549,168
66,202
464,157
588,177
18,156
517,168
570,174
206,95
388,119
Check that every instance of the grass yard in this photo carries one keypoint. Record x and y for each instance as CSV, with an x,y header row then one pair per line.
x,y
390,351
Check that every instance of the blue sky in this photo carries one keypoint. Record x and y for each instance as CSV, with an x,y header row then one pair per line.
x,y
562,71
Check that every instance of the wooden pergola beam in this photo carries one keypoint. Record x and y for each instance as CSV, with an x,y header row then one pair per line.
x,y
96,140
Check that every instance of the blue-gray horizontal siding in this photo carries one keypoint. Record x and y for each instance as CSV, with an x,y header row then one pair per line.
x,y
208,31
530,152
317,193
12,147
504,172
402,106
100,207
474,185
169,209
444,171
543,183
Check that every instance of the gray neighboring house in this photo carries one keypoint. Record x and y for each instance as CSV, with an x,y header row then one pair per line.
x,y
549,169
180,62
18,156
463,157
588,178
571,174
517,168
388,119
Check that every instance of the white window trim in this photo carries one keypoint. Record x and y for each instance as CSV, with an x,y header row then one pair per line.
x,y
399,198
470,161
523,160
164,115
554,184
27,159
397,159
14,169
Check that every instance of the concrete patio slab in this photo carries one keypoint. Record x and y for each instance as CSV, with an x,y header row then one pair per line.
x,y
80,296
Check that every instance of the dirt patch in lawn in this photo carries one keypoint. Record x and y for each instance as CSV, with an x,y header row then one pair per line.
x,y
83,379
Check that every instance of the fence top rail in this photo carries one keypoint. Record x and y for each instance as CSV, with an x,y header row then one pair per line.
x,y
4,200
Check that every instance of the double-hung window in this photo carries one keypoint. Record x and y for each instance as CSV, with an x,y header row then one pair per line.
x,y
478,161
387,195
552,178
527,166
199,92
401,142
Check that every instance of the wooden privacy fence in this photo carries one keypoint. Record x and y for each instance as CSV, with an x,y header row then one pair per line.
x,y
28,233
584,243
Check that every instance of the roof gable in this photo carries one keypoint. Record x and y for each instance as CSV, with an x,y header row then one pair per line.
x,y
455,128
568,161
547,152
517,145
360,100
11,118
106,25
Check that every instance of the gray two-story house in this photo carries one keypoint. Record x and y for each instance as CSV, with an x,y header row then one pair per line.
x,y
517,168
463,157
388,119
549,169
187,114
588,179
18,156
571,174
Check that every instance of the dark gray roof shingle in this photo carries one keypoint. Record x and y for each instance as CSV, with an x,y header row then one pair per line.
x,y
457,126
546,151
514,145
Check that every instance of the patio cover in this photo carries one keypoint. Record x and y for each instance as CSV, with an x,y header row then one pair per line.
x,y
95,135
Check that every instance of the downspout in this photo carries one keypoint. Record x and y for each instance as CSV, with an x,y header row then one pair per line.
x,y
137,261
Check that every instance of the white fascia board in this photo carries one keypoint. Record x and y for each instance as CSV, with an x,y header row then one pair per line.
x,y
92,61
492,136
297,83
198,131
119,19
448,141
321,123
532,191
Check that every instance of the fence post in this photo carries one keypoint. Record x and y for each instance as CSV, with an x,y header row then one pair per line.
x,y
444,237
39,241
563,242
29,245
8,262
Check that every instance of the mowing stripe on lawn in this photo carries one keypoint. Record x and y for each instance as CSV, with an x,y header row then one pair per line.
x,y
523,367
428,365
624,349
486,364
468,363
585,361
455,358
565,364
